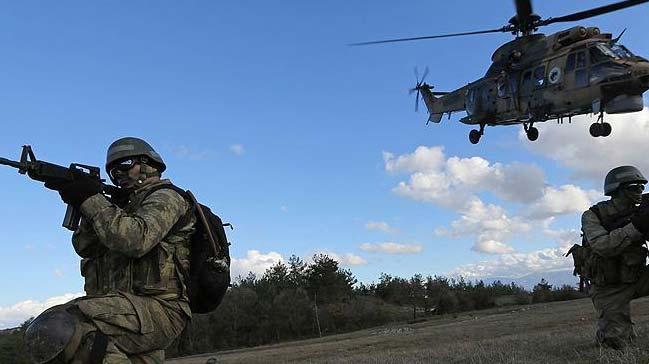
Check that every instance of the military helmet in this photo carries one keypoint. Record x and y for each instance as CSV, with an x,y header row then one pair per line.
x,y
621,175
133,147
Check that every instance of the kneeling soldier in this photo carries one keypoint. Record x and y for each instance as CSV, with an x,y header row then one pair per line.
x,y
133,253
616,231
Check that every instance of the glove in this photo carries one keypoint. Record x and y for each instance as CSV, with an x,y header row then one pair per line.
x,y
74,193
56,184
640,221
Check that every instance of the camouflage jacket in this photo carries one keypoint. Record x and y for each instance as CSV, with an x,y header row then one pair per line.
x,y
618,256
138,249
603,242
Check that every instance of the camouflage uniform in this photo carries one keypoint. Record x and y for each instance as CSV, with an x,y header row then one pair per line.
x,y
132,263
619,273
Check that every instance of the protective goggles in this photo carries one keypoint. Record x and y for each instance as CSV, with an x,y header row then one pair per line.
x,y
122,166
634,187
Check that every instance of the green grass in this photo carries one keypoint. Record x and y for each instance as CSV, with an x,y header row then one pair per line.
x,y
558,332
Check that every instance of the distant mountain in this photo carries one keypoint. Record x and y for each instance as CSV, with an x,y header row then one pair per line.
x,y
8,331
556,278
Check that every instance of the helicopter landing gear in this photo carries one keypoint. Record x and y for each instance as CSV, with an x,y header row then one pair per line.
x,y
531,131
474,135
600,128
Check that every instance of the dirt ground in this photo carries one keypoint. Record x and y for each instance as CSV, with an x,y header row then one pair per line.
x,y
558,332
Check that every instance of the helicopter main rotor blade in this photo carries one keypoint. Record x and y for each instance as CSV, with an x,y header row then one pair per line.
x,y
500,30
592,12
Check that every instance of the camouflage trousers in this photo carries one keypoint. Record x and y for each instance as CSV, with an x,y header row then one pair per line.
x,y
613,306
138,328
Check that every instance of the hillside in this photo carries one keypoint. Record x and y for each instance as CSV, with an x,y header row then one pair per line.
x,y
558,332
557,278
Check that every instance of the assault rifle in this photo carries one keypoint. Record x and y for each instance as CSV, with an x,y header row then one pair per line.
x,y
48,172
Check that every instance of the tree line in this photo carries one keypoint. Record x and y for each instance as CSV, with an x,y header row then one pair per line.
x,y
298,300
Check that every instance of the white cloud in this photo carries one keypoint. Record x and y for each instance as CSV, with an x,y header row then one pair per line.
x,y
566,199
255,262
189,153
517,264
381,226
391,248
344,259
14,315
424,159
489,224
237,149
454,181
572,146
489,246
565,237
457,183
350,259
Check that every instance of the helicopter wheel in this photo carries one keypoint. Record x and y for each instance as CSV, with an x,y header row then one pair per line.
x,y
606,129
596,130
532,133
474,136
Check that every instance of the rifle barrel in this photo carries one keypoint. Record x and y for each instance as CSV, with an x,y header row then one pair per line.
x,y
9,162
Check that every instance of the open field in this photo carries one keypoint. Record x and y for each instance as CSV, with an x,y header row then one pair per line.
x,y
558,332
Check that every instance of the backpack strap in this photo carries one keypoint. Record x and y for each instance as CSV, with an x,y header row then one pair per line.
x,y
612,222
201,215
596,211
189,196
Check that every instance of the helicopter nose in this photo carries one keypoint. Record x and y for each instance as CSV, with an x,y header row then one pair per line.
x,y
641,73
644,80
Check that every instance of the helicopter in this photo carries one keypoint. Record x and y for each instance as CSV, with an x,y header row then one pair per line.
x,y
537,77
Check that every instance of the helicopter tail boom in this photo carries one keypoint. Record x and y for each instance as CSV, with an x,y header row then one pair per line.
x,y
447,102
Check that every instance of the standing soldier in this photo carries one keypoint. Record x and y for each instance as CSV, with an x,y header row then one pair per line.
x,y
616,231
134,259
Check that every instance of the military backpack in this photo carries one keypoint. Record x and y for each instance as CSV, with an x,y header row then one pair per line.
x,y
208,276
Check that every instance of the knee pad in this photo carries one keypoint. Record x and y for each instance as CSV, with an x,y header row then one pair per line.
x,y
51,334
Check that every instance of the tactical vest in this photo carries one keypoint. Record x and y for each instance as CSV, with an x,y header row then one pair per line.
x,y
157,273
623,268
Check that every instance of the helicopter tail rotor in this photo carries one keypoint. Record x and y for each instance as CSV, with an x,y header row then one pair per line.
x,y
424,90
419,85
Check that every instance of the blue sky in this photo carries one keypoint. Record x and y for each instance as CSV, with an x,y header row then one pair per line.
x,y
263,111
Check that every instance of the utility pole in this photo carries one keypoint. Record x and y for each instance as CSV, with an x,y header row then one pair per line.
x,y
317,319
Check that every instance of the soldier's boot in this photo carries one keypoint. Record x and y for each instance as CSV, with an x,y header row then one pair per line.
x,y
611,343
94,351
615,331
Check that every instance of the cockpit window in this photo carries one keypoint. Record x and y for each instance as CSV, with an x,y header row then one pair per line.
x,y
570,62
600,54
581,60
621,51
606,50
